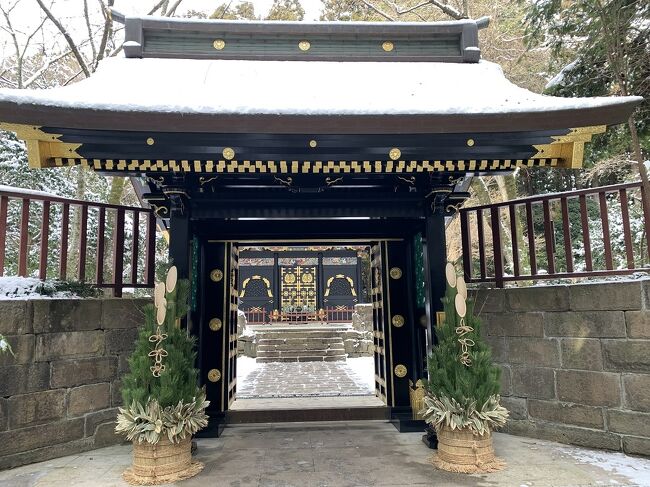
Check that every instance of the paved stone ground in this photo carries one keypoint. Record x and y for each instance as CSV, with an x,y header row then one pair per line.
x,y
345,455
299,379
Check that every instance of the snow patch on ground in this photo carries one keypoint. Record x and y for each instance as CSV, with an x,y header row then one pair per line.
x,y
635,468
23,287
364,368
245,365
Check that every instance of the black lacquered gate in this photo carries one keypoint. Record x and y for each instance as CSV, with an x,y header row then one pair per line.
x,y
393,323
393,300
218,323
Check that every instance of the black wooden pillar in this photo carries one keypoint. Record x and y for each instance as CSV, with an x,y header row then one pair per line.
x,y
180,237
435,257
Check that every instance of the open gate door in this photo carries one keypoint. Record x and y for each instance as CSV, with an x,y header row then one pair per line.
x,y
393,299
378,329
218,326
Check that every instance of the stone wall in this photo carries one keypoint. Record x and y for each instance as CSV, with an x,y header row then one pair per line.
x,y
59,395
575,361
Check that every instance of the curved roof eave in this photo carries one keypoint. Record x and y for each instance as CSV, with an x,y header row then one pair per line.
x,y
104,119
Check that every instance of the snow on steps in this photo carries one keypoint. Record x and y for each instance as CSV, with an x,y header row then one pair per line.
x,y
297,343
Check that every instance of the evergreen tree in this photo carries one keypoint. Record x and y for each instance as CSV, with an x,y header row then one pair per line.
x,y
286,10
178,380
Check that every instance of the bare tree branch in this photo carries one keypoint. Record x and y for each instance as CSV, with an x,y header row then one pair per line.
x,y
14,37
377,10
44,68
64,32
106,34
172,10
90,31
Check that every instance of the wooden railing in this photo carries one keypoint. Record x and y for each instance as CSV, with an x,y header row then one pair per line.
x,y
586,233
46,236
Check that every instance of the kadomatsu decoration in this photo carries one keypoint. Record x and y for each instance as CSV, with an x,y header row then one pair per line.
x,y
164,406
462,400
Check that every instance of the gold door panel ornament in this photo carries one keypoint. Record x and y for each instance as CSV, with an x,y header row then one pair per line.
x,y
395,273
214,375
216,275
400,371
298,291
215,324
398,321
249,280
350,281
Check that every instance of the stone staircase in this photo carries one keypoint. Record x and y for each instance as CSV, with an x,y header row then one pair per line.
x,y
300,343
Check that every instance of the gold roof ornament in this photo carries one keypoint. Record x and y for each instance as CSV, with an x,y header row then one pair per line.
x,y
570,147
395,153
304,46
387,46
219,44
41,146
228,153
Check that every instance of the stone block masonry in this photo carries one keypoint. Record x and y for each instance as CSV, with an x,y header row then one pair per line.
x,y
575,361
60,394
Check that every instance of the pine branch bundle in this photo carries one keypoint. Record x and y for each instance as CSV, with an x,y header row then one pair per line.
x,y
472,388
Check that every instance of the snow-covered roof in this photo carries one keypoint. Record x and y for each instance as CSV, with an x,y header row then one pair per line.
x,y
238,87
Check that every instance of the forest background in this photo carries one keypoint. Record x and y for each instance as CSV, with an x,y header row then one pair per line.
x,y
559,47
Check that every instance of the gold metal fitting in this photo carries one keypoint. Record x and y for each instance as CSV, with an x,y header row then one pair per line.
x,y
215,324
216,275
313,143
400,370
228,153
219,44
398,321
304,45
395,153
470,142
395,272
388,46
150,141
214,375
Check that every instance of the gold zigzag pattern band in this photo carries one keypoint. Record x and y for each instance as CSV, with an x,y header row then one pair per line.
x,y
303,167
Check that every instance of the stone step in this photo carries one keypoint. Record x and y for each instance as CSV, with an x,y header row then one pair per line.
x,y
297,353
297,334
306,358
307,346
298,342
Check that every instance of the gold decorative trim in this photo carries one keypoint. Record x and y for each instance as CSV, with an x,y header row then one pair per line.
x,y
387,46
302,167
215,324
216,275
440,318
313,143
219,44
569,148
470,142
41,146
395,273
150,141
416,397
228,153
304,45
400,371
395,153
397,321
214,375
